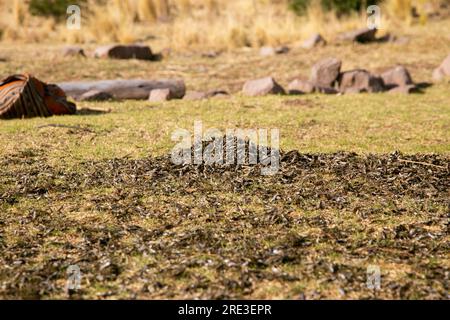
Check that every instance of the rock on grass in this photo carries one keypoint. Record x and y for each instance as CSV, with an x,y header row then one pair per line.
x,y
356,81
443,71
262,87
203,95
139,52
360,35
398,76
299,86
325,72
271,51
73,51
160,95
407,89
314,41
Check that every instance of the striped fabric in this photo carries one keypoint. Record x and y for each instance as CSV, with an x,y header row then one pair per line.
x,y
23,96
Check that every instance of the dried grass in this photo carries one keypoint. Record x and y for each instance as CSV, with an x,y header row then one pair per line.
x,y
181,24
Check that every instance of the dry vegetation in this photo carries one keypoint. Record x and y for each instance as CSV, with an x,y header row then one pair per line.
x,y
97,189
181,24
150,229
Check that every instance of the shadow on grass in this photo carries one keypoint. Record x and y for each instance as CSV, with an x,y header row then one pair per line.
x,y
423,85
92,112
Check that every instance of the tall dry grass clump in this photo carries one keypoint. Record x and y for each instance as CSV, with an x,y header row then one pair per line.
x,y
233,24
180,24
147,10
16,23
400,14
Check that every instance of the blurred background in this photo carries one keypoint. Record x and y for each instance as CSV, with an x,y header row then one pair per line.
x,y
181,24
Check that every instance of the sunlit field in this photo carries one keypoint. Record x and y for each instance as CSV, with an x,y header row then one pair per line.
x,y
364,179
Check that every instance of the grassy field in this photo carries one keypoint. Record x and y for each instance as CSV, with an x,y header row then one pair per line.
x,y
364,181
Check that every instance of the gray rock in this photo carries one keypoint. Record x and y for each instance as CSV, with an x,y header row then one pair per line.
x,y
195,95
160,95
267,51
438,75
211,54
201,95
361,35
326,90
95,95
355,81
261,87
271,51
404,89
325,72
300,86
352,91
282,50
398,76
217,94
314,41
443,71
73,51
140,52
221,96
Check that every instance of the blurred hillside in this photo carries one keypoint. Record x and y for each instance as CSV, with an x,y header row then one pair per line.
x,y
203,23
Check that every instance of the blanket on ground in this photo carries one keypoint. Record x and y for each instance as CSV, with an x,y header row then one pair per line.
x,y
23,96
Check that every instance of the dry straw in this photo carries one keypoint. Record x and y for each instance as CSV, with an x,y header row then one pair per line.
x,y
181,24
